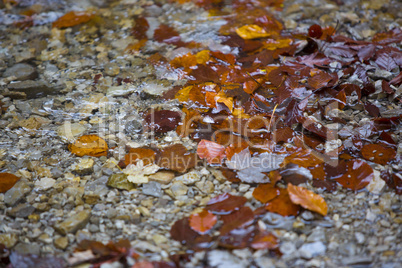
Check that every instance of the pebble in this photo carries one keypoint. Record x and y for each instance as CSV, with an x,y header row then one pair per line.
x,y
32,89
120,181
152,188
69,132
377,184
357,260
21,72
163,177
178,188
15,194
189,178
112,69
206,187
28,248
73,223
44,183
61,242
318,234
34,122
9,240
310,250
21,210
85,166
287,248
359,238
370,215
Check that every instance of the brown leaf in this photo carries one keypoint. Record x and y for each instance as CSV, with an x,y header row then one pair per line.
x,y
144,154
72,18
91,145
237,219
265,240
225,203
265,192
162,121
202,222
378,153
358,175
282,205
307,199
176,157
7,181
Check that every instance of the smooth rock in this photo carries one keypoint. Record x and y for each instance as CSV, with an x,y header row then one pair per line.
x,y
163,177
34,122
21,210
178,188
85,166
61,242
31,248
32,89
15,194
152,188
287,248
189,178
310,250
120,181
9,240
357,260
73,223
112,69
21,72
44,183
206,187
377,184
318,234
69,132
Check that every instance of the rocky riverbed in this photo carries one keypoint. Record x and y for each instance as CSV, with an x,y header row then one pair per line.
x,y
60,83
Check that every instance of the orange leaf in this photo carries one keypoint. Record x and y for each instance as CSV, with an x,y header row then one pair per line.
x,y
72,18
307,199
251,31
358,175
282,205
144,154
265,192
265,240
202,222
212,151
91,145
378,153
7,181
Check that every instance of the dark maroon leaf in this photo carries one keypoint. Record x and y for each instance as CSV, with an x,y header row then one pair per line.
x,y
368,86
315,59
372,109
239,218
385,61
397,80
238,238
386,87
140,28
225,203
366,52
340,49
393,180
182,232
327,185
294,112
162,121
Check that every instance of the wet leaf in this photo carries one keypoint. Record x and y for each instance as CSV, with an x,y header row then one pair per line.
x,y
7,181
91,145
181,231
265,192
202,222
378,153
393,180
238,238
225,203
265,240
358,175
135,154
251,32
307,199
72,18
176,157
283,205
237,219
140,28
162,121
212,151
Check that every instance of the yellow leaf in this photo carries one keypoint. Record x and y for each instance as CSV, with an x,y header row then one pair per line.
x,y
91,145
202,56
272,44
228,101
251,31
182,94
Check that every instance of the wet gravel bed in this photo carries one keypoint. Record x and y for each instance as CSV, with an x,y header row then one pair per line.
x,y
47,84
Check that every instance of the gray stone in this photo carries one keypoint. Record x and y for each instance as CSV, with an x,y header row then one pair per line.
x,y
32,89
357,260
21,210
310,250
152,188
287,248
15,194
21,72
73,223
318,234
31,248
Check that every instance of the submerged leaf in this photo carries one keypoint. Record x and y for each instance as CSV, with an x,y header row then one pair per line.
x,y
91,145
251,31
378,153
307,199
358,175
212,151
202,222
72,18
7,181
265,192
225,203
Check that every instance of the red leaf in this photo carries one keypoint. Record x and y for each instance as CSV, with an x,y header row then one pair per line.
x,y
358,175
378,153
237,219
162,121
202,222
225,203
212,151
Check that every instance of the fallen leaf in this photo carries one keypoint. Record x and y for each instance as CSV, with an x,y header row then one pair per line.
x,y
162,121
358,175
212,151
202,222
7,181
91,145
176,157
283,205
72,18
144,154
265,240
251,31
265,192
237,219
225,203
307,199
378,153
